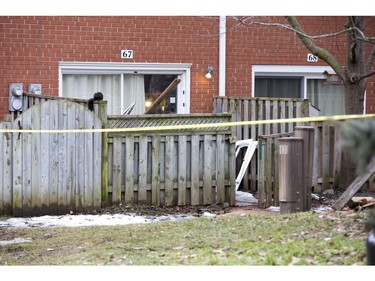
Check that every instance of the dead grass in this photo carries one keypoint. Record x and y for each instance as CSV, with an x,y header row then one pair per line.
x,y
249,239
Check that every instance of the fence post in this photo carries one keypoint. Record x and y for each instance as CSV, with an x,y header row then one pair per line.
x,y
261,173
291,174
102,114
307,134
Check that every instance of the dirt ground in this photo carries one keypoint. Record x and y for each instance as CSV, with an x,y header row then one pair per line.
x,y
325,202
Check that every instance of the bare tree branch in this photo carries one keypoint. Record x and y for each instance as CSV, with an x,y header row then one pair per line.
x,y
247,21
366,75
353,39
287,27
320,52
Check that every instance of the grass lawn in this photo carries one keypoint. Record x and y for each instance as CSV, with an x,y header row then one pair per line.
x,y
308,238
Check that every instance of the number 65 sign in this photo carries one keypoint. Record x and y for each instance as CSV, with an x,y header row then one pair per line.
x,y
126,54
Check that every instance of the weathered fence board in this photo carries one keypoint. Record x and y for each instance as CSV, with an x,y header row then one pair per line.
x,y
156,170
117,170
207,166
51,172
220,173
327,156
168,168
129,169
182,167
5,169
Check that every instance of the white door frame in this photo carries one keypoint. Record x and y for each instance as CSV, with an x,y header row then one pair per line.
x,y
182,70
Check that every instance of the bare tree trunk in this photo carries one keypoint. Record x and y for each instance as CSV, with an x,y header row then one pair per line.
x,y
354,92
354,98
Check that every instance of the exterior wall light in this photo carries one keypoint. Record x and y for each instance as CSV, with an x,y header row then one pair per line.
x,y
35,89
15,96
209,72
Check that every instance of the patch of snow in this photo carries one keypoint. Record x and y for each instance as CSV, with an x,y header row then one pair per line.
x,y
86,220
323,209
15,241
314,196
245,199
208,214
274,209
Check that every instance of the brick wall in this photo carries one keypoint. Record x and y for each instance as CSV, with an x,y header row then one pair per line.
x,y
31,48
275,46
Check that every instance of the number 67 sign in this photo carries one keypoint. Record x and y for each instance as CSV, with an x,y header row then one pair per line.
x,y
126,54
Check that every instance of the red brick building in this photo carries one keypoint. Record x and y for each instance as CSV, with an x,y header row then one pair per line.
x,y
76,56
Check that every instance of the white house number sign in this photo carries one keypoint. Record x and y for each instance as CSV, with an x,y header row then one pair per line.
x,y
127,54
312,58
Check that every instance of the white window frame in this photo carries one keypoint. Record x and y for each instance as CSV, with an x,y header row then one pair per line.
x,y
304,71
182,70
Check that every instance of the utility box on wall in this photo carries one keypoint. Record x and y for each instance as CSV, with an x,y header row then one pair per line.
x,y
35,89
15,97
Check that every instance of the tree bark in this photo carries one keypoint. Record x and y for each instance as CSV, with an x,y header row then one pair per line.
x,y
354,90
354,98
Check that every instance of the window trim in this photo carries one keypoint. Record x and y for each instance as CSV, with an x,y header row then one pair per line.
x,y
180,69
304,71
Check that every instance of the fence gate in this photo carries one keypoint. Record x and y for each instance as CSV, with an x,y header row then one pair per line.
x,y
55,172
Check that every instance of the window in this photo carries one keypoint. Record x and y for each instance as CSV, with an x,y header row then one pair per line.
x,y
281,87
154,86
299,82
328,98
125,84
83,86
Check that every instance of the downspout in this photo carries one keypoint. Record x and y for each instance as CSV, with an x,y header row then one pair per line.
x,y
222,56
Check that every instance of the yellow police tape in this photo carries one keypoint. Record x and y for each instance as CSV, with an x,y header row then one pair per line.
x,y
196,126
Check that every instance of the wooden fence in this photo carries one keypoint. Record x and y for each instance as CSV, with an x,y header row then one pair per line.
x,y
50,172
169,168
29,100
262,175
53,173
326,166
327,157
252,109
181,167
268,170
326,163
